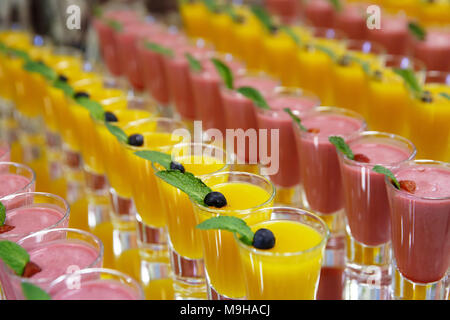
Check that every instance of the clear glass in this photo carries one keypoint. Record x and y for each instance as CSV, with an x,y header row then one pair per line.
x,y
420,238
96,284
5,151
22,176
87,253
222,264
284,275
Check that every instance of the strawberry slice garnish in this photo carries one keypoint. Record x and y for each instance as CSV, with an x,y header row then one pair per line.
x,y
31,269
408,185
361,158
5,228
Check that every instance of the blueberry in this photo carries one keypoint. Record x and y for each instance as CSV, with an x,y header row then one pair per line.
x,y
62,78
177,166
110,117
81,94
263,239
136,140
215,199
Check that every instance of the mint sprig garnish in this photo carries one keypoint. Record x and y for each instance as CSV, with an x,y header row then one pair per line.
x,y
14,256
445,95
231,12
40,68
2,214
224,72
114,24
32,292
365,66
161,158
117,132
194,64
327,51
336,4
261,14
159,49
97,12
342,146
255,96
410,79
211,5
291,33
95,108
195,188
388,173
64,86
417,31
296,119
229,223
19,53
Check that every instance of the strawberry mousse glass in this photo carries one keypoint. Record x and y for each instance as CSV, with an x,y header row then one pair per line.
x,y
5,151
393,34
284,168
420,223
367,211
352,20
57,252
241,121
319,13
96,284
15,178
434,50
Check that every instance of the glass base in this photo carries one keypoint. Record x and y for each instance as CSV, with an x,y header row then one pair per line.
x,y
404,289
96,183
369,282
123,208
98,210
72,159
335,221
151,237
214,295
189,291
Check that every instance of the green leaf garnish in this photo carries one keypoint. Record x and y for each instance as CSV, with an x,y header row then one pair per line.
x,y
445,95
211,5
186,182
161,158
336,4
117,132
116,25
19,53
417,31
39,67
343,147
224,72
261,14
97,11
2,214
296,119
14,256
194,64
288,30
388,173
231,12
255,96
410,79
32,292
326,50
159,49
95,108
364,64
64,86
229,223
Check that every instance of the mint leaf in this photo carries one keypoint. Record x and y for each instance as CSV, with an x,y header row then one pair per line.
x,y
388,173
117,132
343,147
94,107
186,182
161,158
336,4
97,12
194,64
32,292
2,214
364,64
211,5
19,53
417,31
224,72
64,86
41,68
14,256
410,79
296,119
445,95
115,25
231,12
255,96
159,49
261,14
326,50
288,30
229,223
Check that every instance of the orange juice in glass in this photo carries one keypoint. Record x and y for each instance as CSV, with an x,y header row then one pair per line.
x,y
290,270
195,17
389,97
184,239
245,194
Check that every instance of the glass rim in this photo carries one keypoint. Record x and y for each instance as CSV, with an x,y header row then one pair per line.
x,y
391,186
22,166
219,211
364,134
128,279
97,240
413,62
298,211
66,213
381,49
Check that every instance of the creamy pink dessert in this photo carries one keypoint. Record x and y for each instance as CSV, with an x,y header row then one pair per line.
x,y
11,183
393,35
319,168
421,221
365,194
5,154
352,21
288,174
98,290
320,13
434,51
287,10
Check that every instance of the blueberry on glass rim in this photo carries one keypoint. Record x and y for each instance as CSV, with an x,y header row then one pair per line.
x,y
136,140
110,117
263,239
81,94
177,166
215,199
62,78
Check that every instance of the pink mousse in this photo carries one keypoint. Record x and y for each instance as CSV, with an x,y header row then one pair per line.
x,y
97,290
